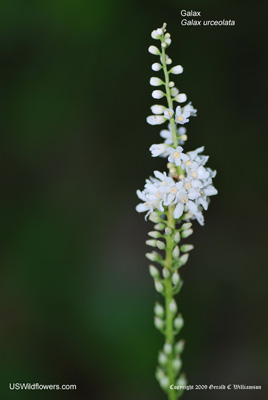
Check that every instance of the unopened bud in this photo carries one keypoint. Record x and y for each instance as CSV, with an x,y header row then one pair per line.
x,y
182,382
176,252
154,217
159,310
164,383
173,306
159,227
178,322
166,273
154,234
186,247
177,237
151,242
160,245
187,216
179,346
152,256
162,358
168,231
153,271
186,233
159,323
175,278
187,225
168,348
176,364
158,286
184,259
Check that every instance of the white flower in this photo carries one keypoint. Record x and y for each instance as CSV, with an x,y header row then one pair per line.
x,y
190,109
158,109
158,94
176,70
154,50
183,200
196,171
156,67
177,156
157,149
168,113
181,98
167,135
182,117
156,82
155,119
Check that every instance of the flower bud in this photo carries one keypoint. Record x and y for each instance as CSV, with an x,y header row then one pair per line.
x,y
171,84
152,256
159,374
159,31
177,237
160,245
158,323
154,50
159,310
173,307
176,70
158,94
184,259
166,273
154,234
153,271
163,44
187,225
162,358
179,346
176,252
187,216
156,82
168,231
168,61
159,227
155,119
175,278
187,247
158,109
167,348
174,91
154,217
181,98
177,364
178,322
181,381
158,286
156,67
186,233
151,242
164,383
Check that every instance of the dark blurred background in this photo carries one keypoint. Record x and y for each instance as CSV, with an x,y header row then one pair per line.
x,y
76,298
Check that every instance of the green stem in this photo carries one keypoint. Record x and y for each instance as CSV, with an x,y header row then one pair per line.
x,y
169,98
168,297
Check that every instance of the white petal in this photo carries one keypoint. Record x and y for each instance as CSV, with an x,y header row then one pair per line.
x,y
178,210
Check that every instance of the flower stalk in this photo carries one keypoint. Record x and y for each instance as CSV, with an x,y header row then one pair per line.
x,y
172,200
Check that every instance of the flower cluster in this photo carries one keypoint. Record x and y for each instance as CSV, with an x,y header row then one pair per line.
x,y
188,185
172,199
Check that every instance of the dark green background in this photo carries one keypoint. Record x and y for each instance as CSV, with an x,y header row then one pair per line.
x,y
76,298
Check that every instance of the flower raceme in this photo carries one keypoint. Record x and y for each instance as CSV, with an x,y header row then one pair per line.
x,y
172,200
195,181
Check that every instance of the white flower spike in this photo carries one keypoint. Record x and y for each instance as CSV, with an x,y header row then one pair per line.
x,y
172,200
